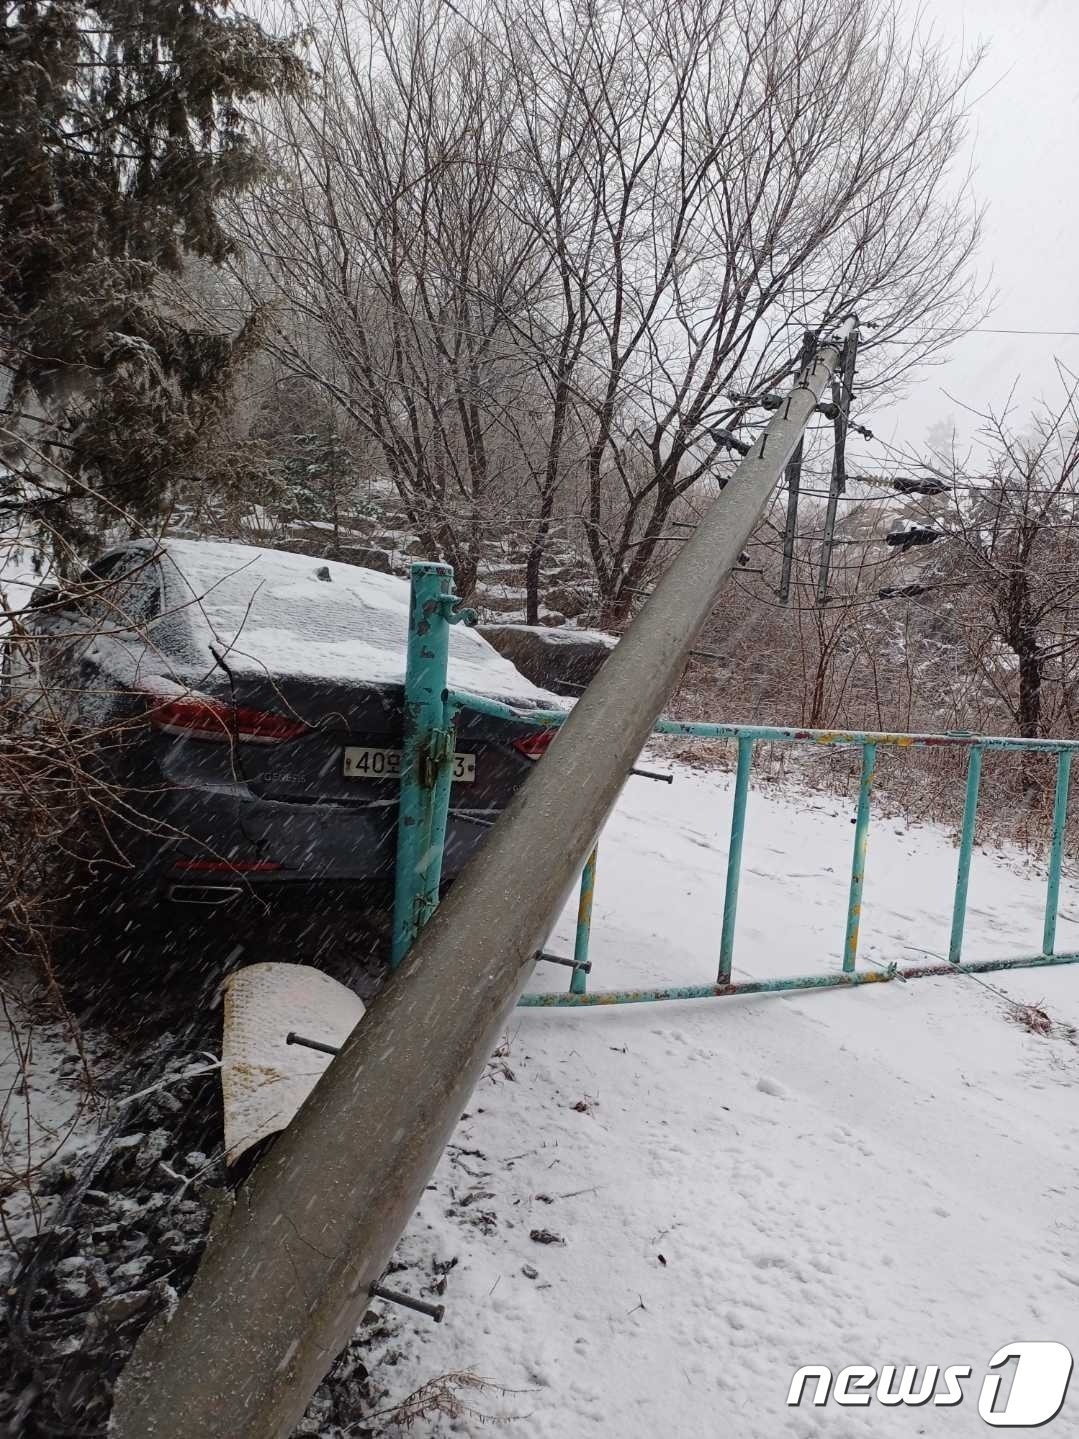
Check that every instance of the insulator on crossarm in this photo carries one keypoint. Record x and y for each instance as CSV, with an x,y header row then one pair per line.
x,y
731,442
908,485
769,401
908,539
900,592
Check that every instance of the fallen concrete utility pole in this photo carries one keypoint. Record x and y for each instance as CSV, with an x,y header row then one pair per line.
x,y
282,1288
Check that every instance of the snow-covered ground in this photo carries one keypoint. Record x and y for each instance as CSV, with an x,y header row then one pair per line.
x,y
737,1188
18,578
45,1108
745,1186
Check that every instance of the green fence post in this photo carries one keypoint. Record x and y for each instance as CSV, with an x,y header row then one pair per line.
x,y
425,771
734,859
578,982
857,868
1056,852
966,847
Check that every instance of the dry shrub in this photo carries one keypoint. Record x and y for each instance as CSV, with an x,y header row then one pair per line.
x,y
1035,1019
445,1395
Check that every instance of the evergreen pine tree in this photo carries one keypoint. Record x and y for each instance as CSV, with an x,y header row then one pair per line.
x,y
122,128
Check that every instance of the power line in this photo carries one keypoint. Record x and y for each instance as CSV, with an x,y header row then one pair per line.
x,y
849,602
991,330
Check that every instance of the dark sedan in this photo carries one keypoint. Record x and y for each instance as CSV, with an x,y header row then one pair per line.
x,y
245,706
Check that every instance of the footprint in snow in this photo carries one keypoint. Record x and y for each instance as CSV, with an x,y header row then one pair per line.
x,y
771,1261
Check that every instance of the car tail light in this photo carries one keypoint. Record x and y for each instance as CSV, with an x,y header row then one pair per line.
x,y
199,717
535,746
227,866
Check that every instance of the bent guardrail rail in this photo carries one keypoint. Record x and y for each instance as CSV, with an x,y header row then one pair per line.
x,y
746,737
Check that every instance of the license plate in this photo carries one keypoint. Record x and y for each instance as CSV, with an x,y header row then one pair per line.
x,y
366,762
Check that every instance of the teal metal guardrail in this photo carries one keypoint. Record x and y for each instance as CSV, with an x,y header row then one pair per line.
x,y
426,753
431,710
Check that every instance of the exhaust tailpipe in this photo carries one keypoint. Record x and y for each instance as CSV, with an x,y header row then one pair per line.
x,y
203,894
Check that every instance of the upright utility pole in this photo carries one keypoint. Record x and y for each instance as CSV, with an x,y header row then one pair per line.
x,y
283,1287
793,479
793,475
842,393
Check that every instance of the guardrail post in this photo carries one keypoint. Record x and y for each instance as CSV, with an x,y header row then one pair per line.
x,y
1056,850
425,772
857,868
578,982
734,859
966,847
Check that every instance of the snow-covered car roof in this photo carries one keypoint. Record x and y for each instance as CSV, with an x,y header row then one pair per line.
x,y
271,611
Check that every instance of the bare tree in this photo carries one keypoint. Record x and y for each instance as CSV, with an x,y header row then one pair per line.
x,y
1015,549
388,242
538,252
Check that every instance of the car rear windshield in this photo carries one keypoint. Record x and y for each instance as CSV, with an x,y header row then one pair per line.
x,y
296,614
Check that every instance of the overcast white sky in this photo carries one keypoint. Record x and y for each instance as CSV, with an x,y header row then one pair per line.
x,y
1024,149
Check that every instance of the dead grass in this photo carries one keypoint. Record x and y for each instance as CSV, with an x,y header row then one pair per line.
x,y
1035,1019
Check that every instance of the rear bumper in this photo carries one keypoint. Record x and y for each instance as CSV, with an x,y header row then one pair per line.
x,y
275,893
206,848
